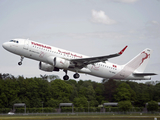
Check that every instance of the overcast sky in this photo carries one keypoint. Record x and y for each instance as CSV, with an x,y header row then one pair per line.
x,y
89,27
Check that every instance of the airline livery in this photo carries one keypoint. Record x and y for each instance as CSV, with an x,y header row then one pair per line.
x,y
53,59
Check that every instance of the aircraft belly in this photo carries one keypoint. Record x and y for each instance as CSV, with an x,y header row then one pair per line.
x,y
101,72
85,70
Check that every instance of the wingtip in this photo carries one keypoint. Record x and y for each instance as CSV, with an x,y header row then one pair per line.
x,y
121,52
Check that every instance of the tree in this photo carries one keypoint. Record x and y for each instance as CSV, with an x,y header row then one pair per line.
x,y
90,93
99,91
142,95
142,98
80,101
93,103
44,77
152,106
156,92
124,105
86,89
109,90
74,93
59,89
3,100
53,103
124,93
34,91
10,90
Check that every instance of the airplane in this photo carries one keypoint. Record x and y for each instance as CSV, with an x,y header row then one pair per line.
x,y
54,59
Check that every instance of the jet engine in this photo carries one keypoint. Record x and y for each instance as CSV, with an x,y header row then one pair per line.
x,y
47,67
61,63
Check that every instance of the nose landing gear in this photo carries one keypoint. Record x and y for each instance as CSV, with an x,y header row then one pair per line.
x,y
20,63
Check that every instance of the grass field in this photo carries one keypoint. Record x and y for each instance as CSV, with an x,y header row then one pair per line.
x,y
80,117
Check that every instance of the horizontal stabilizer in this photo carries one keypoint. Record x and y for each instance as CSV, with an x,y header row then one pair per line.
x,y
143,74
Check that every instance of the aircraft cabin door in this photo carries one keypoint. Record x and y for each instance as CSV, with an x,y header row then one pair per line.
x,y
26,44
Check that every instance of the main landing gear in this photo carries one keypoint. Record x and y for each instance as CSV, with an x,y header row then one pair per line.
x,y
20,63
66,77
76,75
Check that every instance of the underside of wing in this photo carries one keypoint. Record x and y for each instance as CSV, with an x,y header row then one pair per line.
x,y
91,60
143,74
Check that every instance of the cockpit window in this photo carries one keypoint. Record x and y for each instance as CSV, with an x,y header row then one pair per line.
x,y
14,41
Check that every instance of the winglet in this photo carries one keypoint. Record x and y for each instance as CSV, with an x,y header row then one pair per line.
x,y
120,53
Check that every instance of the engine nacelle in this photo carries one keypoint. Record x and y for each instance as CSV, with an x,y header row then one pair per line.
x,y
61,63
47,67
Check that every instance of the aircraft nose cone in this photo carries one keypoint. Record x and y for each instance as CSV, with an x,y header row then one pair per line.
x,y
4,45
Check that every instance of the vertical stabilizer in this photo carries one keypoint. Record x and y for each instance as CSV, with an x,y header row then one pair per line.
x,y
134,69
139,62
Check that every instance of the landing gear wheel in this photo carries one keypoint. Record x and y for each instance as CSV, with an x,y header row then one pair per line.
x,y
76,75
66,77
19,63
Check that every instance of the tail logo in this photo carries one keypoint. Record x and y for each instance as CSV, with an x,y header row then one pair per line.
x,y
147,55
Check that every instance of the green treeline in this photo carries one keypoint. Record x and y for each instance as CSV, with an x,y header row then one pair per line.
x,y
37,91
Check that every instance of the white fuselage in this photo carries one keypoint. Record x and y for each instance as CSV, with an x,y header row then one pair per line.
x,y
41,52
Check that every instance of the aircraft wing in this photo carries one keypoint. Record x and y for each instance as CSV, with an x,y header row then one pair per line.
x,y
91,60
